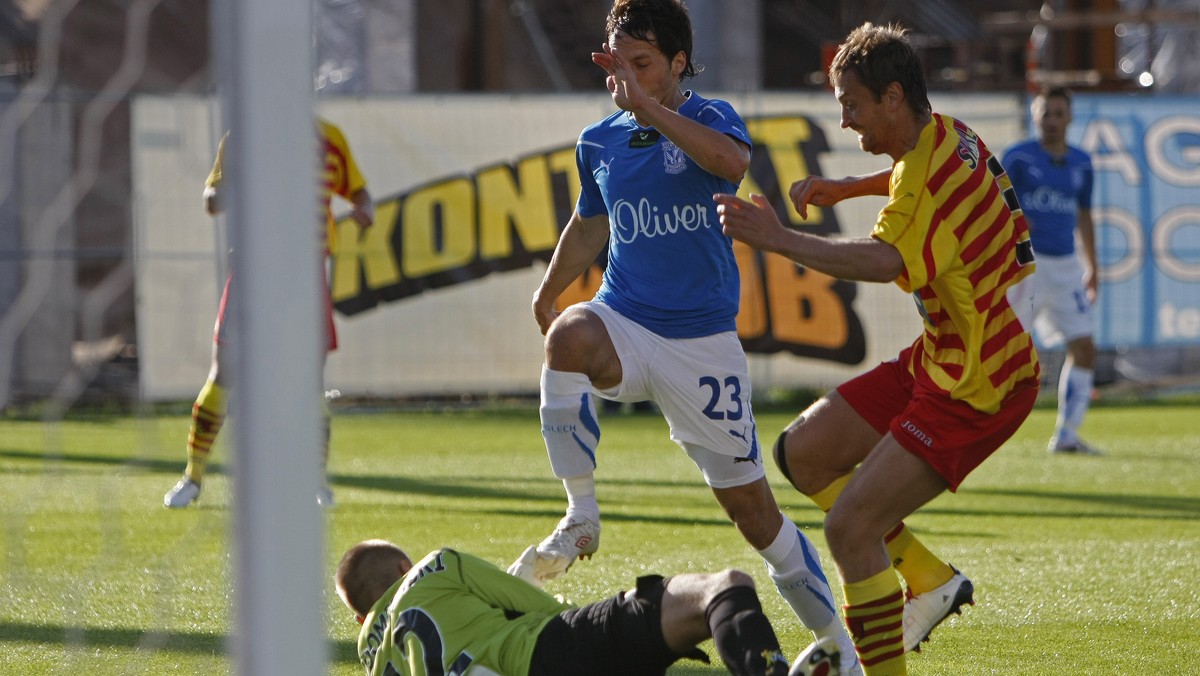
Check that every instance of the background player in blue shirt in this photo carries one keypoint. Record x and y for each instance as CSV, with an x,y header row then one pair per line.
x,y
1054,186
662,326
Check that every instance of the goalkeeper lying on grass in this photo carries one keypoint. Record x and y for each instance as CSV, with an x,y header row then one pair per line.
x,y
452,612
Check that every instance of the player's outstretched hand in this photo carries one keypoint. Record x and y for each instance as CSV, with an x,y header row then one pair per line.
x,y
536,570
364,216
753,222
550,567
544,313
817,191
622,83
525,567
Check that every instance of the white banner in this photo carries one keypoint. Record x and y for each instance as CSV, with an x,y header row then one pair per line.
x,y
470,192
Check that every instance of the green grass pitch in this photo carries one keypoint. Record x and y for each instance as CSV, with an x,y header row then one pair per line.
x,y
1082,565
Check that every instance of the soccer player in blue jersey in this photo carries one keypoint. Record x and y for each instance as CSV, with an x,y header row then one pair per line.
x,y
1054,186
662,326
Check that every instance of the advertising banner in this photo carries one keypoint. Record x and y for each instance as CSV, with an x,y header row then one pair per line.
x,y
1146,155
471,193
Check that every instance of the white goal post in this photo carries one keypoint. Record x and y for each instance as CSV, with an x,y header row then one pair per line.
x,y
263,54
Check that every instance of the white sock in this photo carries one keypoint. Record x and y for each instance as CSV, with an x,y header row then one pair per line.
x,y
569,425
837,629
795,567
581,497
1074,397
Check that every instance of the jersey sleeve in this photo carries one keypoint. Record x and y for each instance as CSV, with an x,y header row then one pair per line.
x,y
214,176
904,223
719,115
501,590
353,178
591,200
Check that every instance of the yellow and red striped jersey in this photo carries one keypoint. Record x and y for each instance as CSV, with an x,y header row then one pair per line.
x,y
953,216
337,174
214,176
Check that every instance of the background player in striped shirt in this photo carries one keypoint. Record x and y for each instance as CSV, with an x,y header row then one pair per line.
x,y
1053,181
886,442
338,174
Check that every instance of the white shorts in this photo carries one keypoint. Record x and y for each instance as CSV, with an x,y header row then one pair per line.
x,y
1060,303
702,387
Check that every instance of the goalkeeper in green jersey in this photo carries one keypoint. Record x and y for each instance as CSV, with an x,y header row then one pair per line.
x,y
454,613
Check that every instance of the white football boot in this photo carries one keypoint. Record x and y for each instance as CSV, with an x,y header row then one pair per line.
x,y
923,612
182,494
1076,447
826,658
573,538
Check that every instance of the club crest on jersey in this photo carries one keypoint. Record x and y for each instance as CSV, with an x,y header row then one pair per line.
x,y
674,160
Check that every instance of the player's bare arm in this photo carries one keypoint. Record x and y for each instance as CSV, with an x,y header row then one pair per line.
x,y
581,242
861,259
820,191
212,201
716,152
363,209
1085,228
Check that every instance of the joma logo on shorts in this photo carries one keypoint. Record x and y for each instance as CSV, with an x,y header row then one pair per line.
x,y
917,434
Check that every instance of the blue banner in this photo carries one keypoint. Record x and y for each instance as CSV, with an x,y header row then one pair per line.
x,y
1146,153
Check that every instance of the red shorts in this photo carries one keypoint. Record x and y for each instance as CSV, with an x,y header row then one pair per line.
x,y
950,435
221,335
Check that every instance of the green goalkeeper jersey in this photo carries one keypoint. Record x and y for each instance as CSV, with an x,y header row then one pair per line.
x,y
455,614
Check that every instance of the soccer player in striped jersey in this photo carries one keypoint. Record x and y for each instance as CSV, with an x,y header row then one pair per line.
x,y
337,174
885,443
1053,181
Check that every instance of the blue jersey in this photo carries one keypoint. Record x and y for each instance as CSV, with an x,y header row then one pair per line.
x,y
1051,191
669,267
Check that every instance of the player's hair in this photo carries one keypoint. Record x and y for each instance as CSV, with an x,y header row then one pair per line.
x,y
879,56
663,23
1056,91
366,571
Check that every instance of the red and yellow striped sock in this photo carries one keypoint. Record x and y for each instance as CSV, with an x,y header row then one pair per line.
x,y
208,414
875,616
921,569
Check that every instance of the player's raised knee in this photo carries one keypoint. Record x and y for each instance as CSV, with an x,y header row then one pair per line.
x,y
779,452
732,577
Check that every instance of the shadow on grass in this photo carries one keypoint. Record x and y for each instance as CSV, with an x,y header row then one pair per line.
x,y
1133,506
547,489
344,652
450,487
1114,505
486,486
174,466
45,634
198,642
455,487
